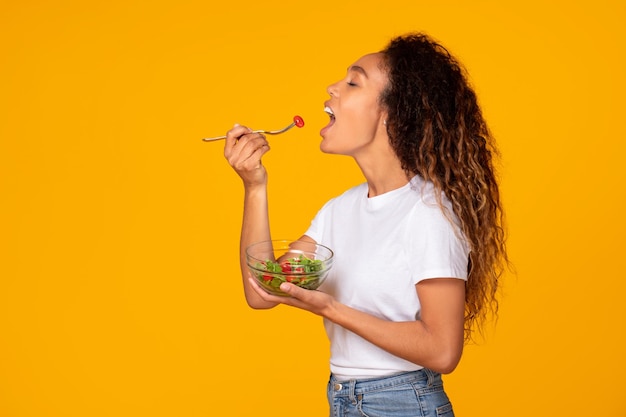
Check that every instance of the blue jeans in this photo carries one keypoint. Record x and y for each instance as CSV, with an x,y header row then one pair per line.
x,y
411,394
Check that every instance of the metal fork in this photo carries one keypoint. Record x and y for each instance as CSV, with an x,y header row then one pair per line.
x,y
297,121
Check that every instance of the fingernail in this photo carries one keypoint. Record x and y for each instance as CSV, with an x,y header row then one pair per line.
x,y
236,125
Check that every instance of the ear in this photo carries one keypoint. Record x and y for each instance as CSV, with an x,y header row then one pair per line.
x,y
383,127
383,120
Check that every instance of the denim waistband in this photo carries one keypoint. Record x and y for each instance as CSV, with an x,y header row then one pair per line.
x,y
423,376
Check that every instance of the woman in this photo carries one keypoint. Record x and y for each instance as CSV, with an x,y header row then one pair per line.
x,y
419,247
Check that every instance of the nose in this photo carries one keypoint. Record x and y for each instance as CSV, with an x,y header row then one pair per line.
x,y
332,90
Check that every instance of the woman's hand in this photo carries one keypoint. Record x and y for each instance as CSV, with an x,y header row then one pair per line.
x,y
243,150
316,302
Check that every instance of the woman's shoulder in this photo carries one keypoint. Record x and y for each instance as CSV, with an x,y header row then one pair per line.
x,y
348,196
356,191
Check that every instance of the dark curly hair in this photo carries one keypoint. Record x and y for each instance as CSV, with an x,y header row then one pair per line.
x,y
437,130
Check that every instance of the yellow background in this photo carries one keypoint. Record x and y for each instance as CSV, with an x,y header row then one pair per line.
x,y
119,285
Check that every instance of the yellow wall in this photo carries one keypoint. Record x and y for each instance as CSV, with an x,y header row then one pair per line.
x,y
119,287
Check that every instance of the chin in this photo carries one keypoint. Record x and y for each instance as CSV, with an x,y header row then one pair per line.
x,y
325,147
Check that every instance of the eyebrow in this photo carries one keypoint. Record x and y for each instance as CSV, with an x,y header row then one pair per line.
x,y
358,69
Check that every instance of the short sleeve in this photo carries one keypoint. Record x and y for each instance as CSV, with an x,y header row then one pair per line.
x,y
316,228
438,248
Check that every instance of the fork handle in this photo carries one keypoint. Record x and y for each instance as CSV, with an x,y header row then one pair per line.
x,y
214,139
224,137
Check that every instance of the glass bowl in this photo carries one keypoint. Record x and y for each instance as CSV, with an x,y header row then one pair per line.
x,y
304,264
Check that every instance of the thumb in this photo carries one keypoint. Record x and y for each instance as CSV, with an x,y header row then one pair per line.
x,y
292,290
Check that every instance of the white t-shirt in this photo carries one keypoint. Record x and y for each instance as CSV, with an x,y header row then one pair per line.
x,y
383,246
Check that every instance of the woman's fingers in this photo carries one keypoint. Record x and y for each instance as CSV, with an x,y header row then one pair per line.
x,y
262,293
244,148
233,135
314,301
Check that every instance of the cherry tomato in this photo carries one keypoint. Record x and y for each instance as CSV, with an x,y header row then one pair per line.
x,y
298,121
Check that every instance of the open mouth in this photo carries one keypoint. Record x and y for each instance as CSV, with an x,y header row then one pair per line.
x,y
330,114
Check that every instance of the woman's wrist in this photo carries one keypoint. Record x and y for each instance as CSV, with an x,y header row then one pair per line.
x,y
254,190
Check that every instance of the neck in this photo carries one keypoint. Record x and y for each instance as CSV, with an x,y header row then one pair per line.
x,y
383,173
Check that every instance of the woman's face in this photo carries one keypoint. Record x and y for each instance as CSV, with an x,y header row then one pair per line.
x,y
356,118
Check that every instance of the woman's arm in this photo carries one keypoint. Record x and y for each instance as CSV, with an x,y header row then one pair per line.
x,y
435,341
244,150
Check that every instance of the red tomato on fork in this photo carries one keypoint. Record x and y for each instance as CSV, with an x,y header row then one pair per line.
x,y
298,121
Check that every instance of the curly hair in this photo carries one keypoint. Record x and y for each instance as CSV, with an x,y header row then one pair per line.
x,y
438,132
